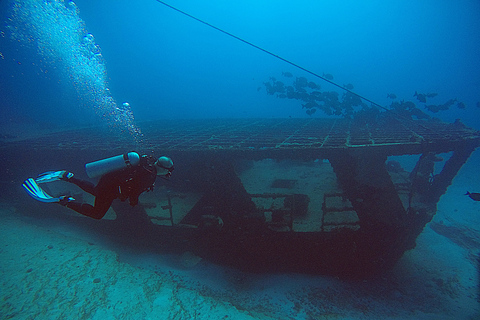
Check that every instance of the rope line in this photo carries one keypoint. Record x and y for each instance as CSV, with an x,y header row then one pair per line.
x,y
271,53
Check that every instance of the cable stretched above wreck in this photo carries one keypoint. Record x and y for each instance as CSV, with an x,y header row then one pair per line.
x,y
271,54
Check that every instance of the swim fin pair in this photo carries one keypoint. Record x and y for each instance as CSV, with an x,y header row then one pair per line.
x,y
33,189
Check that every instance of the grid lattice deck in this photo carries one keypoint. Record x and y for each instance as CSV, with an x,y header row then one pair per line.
x,y
271,137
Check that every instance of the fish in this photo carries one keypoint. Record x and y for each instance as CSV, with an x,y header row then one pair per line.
x,y
420,97
270,89
419,113
327,76
433,108
473,195
291,94
431,95
392,96
312,85
461,105
448,104
301,82
348,86
478,104
441,107
309,105
287,74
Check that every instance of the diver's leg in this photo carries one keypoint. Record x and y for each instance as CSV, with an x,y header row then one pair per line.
x,y
82,208
105,192
96,212
86,186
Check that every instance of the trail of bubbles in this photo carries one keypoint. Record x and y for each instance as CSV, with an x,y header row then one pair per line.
x,y
61,38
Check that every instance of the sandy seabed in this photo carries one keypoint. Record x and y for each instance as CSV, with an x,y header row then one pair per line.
x,y
55,272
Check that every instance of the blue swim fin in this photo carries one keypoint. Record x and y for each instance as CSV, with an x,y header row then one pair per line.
x,y
50,176
37,193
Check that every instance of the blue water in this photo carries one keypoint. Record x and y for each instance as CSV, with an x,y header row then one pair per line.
x,y
76,65
167,65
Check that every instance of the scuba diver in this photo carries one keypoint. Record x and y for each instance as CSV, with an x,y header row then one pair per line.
x,y
121,177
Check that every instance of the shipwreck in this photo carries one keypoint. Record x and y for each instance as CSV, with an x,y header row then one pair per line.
x,y
268,195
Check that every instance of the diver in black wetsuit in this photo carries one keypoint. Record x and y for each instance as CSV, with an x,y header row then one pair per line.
x,y
124,184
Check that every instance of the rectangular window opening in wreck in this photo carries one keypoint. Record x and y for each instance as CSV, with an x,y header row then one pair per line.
x,y
293,195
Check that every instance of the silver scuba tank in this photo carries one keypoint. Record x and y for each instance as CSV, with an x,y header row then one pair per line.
x,y
101,167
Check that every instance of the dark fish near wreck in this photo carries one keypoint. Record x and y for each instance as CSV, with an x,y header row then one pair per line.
x,y
433,108
348,86
420,97
448,104
392,96
287,74
327,76
473,195
313,85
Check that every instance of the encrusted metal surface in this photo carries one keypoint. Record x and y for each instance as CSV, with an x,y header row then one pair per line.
x,y
271,136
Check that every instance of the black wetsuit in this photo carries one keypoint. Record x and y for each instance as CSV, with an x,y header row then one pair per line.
x,y
125,184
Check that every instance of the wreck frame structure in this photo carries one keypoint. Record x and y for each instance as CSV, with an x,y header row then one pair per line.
x,y
225,225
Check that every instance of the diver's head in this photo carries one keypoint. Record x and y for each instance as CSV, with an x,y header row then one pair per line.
x,y
164,166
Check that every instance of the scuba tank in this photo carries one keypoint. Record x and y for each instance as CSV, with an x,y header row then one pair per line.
x,y
101,167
